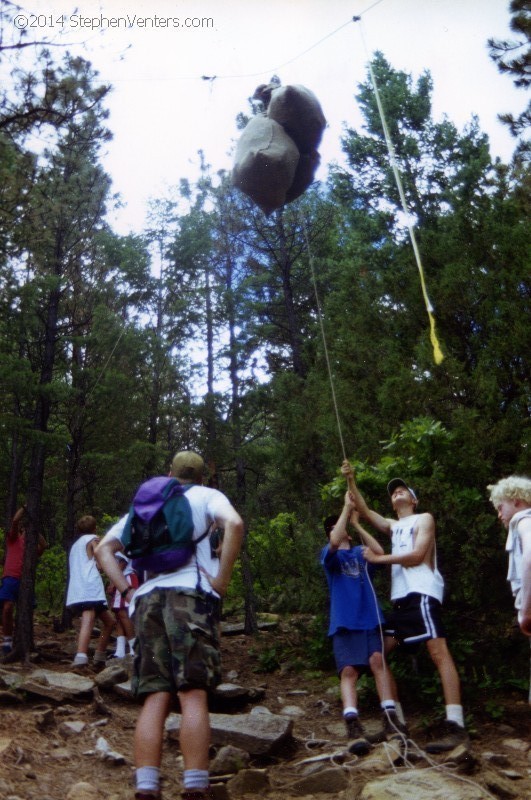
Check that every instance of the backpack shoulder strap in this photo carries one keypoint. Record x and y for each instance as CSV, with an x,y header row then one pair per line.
x,y
185,488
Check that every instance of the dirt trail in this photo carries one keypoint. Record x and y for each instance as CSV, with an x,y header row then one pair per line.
x,y
39,761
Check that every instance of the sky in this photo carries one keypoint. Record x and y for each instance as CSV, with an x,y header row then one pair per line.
x,y
162,111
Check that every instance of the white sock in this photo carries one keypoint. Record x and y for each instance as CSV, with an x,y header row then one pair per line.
x,y
350,710
454,713
8,640
388,705
147,779
120,647
399,712
195,778
80,658
131,643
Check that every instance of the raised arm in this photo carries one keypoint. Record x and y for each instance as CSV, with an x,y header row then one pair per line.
x,y
339,531
378,522
367,539
16,524
42,544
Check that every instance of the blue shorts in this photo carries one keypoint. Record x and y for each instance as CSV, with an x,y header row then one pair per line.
x,y
9,589
354,648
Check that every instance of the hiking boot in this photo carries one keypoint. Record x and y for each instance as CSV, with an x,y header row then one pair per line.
x,y
357,741
80,660
6,649
147,796
452,735
392,728
198,794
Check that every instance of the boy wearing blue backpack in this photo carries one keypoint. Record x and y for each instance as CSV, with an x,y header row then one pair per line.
x,y
175,611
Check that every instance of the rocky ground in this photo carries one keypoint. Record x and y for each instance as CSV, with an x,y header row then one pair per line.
x,y
41,758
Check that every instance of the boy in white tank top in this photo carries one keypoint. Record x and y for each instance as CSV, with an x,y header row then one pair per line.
x,y
416,591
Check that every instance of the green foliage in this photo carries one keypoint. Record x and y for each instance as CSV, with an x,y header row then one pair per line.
x,y
301,645
317,644
50,583
267,660
283,550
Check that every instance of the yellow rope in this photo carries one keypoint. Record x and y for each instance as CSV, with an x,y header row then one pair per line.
x,y
437,352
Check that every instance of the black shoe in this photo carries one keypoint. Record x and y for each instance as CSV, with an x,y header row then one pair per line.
x,y
197,794
452,735
357,741
392,728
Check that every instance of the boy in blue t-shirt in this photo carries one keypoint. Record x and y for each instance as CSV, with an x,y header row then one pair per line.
x,y
355,625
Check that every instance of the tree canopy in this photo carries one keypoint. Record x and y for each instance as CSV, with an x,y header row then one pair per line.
x,y
225,331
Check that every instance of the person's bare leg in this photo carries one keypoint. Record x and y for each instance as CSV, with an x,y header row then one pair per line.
x,y
347,684
108,620
194,735
85,631
442,658
149,731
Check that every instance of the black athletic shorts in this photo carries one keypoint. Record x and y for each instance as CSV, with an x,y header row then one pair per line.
x,y
415,619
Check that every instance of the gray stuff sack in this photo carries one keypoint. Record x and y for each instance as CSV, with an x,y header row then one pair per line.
x,y
265,163
299,112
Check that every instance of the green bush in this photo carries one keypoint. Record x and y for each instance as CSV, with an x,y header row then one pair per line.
x,y
284,553
50,582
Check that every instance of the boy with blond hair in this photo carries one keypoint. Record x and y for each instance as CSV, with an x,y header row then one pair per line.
x,y
511,497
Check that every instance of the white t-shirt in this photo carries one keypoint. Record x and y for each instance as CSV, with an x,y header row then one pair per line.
x,y
513,547
207,504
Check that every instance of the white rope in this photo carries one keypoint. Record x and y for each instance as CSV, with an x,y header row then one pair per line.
x,y
100,376
323,335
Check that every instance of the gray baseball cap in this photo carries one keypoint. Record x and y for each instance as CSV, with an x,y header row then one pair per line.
x,y
391,486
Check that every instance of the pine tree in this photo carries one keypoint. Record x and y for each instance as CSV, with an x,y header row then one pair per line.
x,y
66,209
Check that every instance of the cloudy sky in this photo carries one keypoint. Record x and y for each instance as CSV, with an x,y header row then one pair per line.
x,y
162,111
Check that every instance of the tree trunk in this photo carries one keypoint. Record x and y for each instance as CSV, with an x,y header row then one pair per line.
x,y
23,639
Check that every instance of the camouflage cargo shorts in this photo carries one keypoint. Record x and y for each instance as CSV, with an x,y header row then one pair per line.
x,y
177,642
